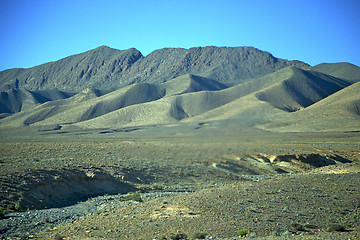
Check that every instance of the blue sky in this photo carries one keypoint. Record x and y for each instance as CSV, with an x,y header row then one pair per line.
x,y
314,31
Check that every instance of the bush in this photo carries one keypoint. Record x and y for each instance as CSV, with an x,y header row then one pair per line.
x,y
243,232
335,228
2,215
179,236
16,206
200,236
59,237
297,227
134,196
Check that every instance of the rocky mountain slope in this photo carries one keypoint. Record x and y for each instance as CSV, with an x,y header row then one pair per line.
x,y
233,84
107,68
74,73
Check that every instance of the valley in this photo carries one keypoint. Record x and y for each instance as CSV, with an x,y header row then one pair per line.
x,y
211,143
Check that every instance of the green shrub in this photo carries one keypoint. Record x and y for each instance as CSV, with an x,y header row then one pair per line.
x,y
242,232
200,236
2,215
98,212
266,178
16,206
297,227
178,236
59,237
332,227
133,196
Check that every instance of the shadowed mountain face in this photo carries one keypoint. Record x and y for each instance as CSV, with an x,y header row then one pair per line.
x,y
16,100
226,87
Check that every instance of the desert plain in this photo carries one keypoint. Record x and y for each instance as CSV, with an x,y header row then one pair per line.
x,y
274,185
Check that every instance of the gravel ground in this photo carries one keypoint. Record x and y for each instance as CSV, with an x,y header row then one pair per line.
x,y
303,206
228,188
19,225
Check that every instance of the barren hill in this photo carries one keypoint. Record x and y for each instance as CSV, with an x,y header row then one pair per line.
x,y
301,90
342,70
236,85
338,112
99,66
107,68
191,98
16,100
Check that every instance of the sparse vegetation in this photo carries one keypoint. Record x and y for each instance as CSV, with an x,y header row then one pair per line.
x,y
2,215
16,206
200,236
179,236
58,237
98,212
297,227
332,227
266,178
183,205
133,196
242,232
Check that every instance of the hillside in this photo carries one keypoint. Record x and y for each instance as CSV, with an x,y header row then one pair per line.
x,y
91,103
100,66
338,112
108,69
16,100
191,98
342,70
301,90
235,86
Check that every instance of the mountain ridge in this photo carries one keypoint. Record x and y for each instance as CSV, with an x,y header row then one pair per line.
x,y
188,98
107,68
214,86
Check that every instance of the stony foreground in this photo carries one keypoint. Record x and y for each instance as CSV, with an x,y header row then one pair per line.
x,y
302,204
277,186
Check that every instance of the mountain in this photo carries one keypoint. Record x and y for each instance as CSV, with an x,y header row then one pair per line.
x,y
89,103
108,69
232,88
228,65
276,95
101,66
282,96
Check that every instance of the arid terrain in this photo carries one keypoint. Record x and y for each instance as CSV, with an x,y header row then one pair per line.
x,y
278,185
199,143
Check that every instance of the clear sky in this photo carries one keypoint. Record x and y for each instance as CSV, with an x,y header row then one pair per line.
x,y
34,32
